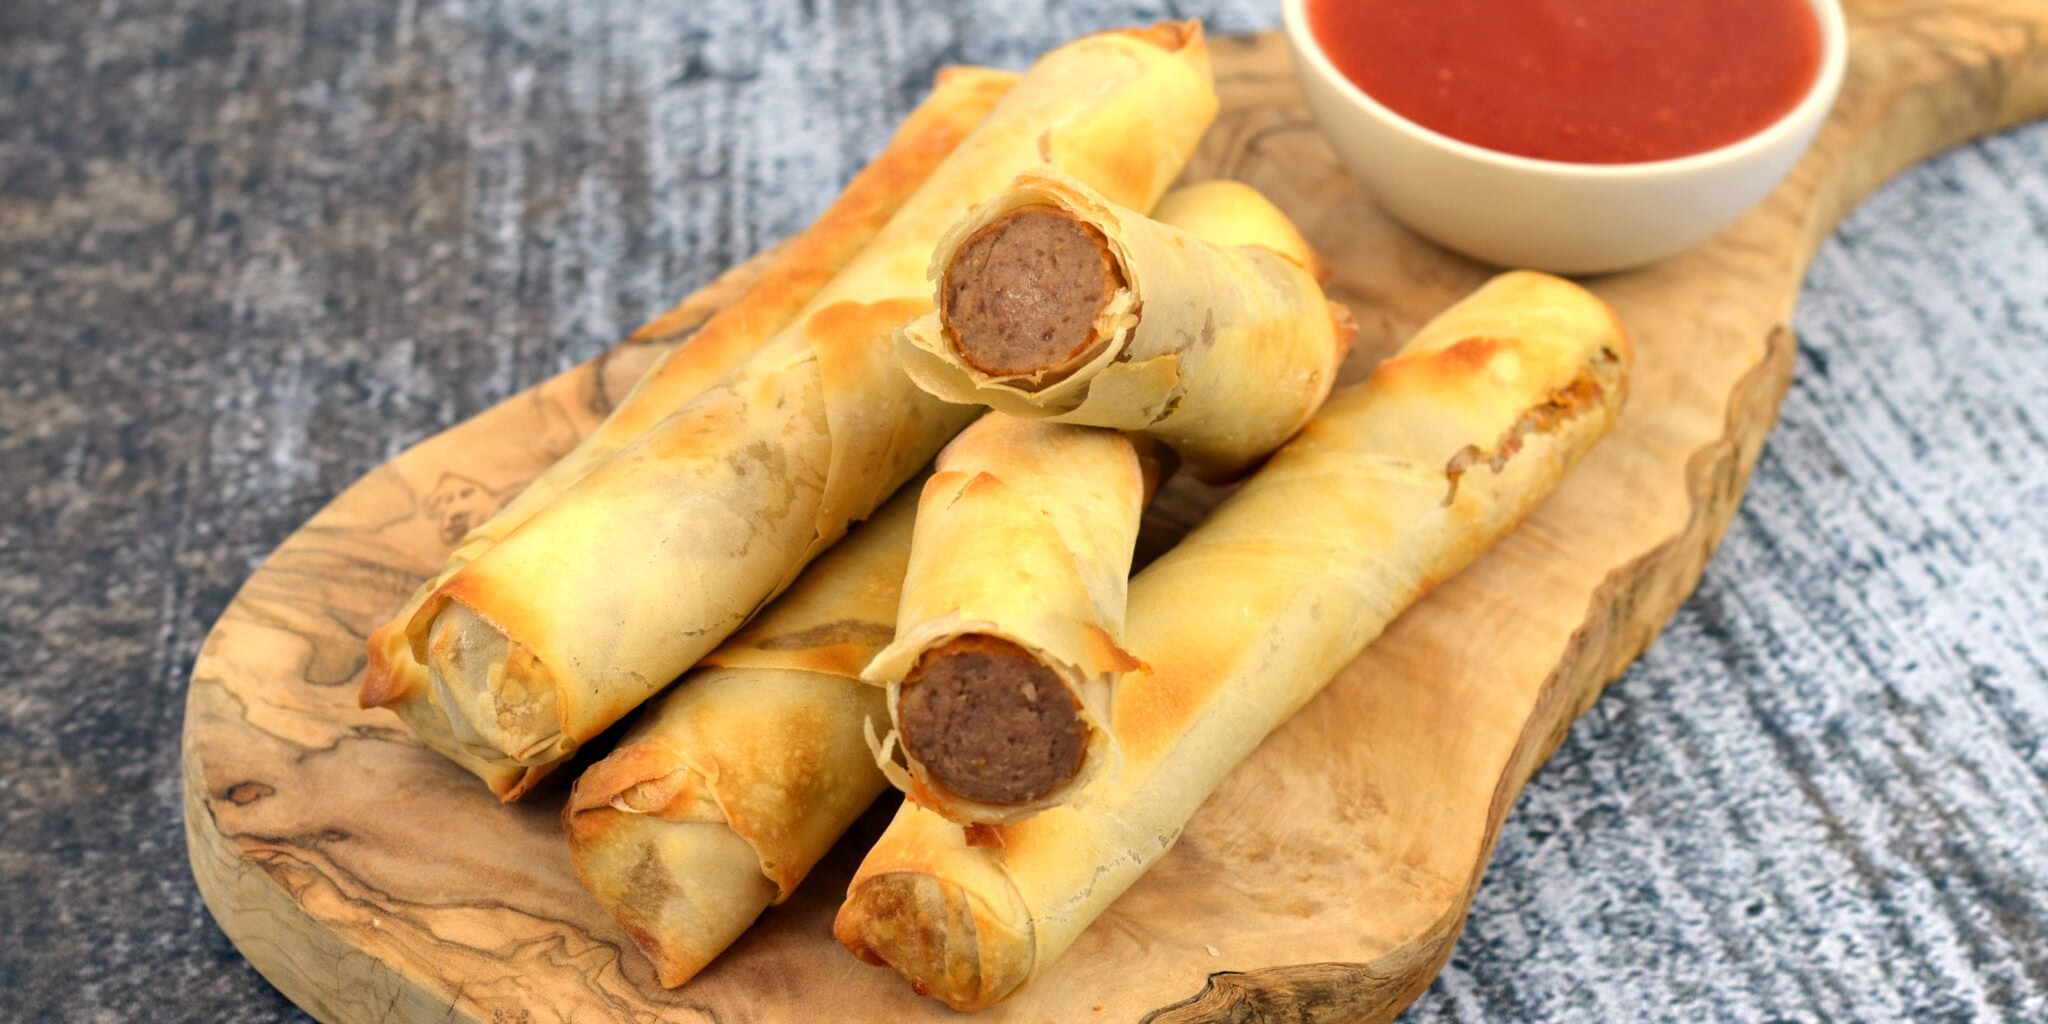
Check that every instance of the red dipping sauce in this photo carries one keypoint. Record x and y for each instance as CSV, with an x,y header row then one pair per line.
x,y
1583,81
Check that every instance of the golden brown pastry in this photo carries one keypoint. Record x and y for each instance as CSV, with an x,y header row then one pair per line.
x,y
654,557
1000,673
960,100
1219,344
1006,656
1397,483
732,784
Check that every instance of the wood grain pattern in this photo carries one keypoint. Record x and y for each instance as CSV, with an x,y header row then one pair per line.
x,y
1326,880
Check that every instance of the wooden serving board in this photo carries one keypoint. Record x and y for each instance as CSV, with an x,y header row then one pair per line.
x,y
1329,876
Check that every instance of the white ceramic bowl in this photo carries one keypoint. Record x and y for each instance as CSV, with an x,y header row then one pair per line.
x,y
1551,215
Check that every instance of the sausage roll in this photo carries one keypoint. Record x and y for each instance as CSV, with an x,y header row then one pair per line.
x,y
1221,350
1000,674
1006,655
1397,483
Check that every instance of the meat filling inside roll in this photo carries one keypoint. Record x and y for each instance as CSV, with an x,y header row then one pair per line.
x,y
1023,293
990,722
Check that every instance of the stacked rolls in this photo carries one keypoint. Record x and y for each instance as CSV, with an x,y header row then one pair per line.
x,y
1006,656
1397,483
1015,553
557,630
395,677
731,786
980,641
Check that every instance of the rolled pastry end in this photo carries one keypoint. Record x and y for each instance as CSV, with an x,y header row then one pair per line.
x,y
394,679
989,722
1022,296
682,890
491,705
938,935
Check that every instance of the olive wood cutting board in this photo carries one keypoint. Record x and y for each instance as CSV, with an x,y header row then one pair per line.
x,y
1327,879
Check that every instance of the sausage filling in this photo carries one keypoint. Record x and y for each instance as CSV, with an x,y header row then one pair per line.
x,y
1022,294
989,722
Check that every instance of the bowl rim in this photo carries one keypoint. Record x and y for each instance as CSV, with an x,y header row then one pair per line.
x,y
1812,108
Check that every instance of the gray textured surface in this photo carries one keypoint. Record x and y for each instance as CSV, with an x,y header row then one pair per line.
x,y
250,250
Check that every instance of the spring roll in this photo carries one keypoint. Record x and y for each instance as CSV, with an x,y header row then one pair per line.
x,y
733,784
1000,674
623,582
961,98
1399,482
1220,350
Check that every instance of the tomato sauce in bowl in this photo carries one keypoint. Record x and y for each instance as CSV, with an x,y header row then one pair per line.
x,y
1578,81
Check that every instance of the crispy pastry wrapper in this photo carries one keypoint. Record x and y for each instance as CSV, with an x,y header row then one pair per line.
x,y
624,581
1398,483
733,784
1025,532
1221,343
961,98
1059,506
